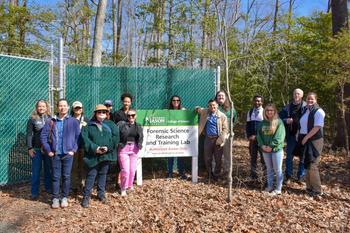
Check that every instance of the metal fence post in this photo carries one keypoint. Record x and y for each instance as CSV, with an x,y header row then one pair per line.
x,y
217,84
60,70
51,82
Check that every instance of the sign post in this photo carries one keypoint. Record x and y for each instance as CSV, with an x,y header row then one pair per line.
x,y
169,133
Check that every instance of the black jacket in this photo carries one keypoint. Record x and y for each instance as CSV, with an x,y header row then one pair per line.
x,y
123,129
34,127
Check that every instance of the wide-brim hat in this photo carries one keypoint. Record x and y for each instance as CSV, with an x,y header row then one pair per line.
x,y
101,107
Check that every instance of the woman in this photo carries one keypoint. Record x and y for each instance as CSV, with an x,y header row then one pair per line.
x,y
34,126
78,172
121,114
100,137
311,141
175,104
270,138
131,138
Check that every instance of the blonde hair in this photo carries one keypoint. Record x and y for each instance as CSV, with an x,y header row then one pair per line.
x,y
274,121
35,115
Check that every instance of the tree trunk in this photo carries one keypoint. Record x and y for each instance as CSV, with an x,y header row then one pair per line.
x,y
204,34
339,15
98,33
339,22
119,27
170,34
114,19
22,26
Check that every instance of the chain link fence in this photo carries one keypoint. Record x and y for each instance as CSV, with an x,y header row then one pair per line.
x,y
26,80
23,82
150,87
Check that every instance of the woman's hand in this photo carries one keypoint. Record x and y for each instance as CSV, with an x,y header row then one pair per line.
x,y
266,149
31,153
50,154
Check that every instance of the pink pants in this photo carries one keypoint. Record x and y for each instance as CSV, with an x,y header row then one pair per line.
x,y
127,157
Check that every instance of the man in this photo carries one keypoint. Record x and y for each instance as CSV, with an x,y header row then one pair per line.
x,y
59,138
254,118
109,106
291,115
224,107
213,124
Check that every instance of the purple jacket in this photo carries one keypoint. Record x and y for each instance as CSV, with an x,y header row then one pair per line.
x,y
71,132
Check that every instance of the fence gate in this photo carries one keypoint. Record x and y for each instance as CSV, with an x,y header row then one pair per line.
x,y
23,81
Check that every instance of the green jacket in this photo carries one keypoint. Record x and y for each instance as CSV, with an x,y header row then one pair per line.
x,y
228,115
266,138
93,137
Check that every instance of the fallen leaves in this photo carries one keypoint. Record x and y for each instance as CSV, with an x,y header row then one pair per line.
x,y
173,205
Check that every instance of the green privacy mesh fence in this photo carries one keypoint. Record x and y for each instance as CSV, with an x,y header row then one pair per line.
x,y
22,83
150,87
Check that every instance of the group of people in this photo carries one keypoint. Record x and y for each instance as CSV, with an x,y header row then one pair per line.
x,y
301,124
74,148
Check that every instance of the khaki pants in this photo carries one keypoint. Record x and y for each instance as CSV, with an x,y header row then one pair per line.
x,y
226,158
312,177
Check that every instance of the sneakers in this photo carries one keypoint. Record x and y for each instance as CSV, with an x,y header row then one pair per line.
x,y
55,203
103,200
86,202
64,202
169,175
131,189
184,177
275,193
268,190
123,193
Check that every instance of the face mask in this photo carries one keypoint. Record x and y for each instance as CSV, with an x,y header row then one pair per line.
x,y
101,117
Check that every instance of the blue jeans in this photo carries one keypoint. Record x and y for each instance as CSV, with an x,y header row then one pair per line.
x,y
61,167
273,162
101,170
37,162
291,143
180,165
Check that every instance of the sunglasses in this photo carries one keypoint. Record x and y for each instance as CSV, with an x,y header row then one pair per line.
x,y
131,115
101,112
78,108
176,100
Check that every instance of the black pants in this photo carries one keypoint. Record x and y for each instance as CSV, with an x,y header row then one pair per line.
x,y
101,171
253,152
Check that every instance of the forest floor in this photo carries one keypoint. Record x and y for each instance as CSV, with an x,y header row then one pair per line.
x,y
174,205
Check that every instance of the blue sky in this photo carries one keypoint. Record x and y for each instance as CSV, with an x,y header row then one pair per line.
x,y
302,7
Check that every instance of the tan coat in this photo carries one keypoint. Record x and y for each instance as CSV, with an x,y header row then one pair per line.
x,y
222,125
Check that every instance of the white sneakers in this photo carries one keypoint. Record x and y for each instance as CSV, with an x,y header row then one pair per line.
x,y
56,203
64,202
123,193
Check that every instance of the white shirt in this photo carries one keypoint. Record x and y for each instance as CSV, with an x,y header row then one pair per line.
x,y
257,114
318,120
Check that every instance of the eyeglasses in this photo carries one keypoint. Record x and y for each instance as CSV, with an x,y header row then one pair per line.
x,y
176,100
101,112
132,115
269,110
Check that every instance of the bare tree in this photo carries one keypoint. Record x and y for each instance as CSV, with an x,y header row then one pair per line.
x,y
98,33
227,16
